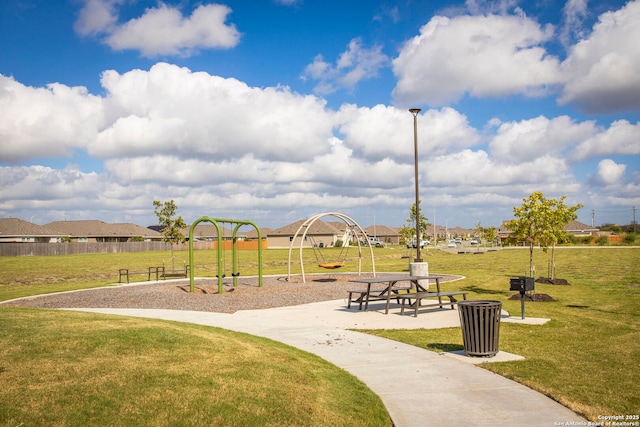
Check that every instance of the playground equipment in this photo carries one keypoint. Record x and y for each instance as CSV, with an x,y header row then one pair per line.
x,y
353,230
234,255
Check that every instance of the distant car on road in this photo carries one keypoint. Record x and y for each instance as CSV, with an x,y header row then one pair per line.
x,y
451,244
473,242
458,240
412,244
375,241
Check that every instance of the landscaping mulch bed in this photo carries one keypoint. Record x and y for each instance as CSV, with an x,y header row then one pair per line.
x,y
247,295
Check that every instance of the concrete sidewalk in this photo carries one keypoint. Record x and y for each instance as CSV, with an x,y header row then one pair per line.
x,y
418,387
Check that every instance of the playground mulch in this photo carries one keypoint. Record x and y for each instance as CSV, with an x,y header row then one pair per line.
x,y
276,291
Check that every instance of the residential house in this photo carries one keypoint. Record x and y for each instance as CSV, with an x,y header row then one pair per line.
x,y
386,234
14,230
99,231
320,234
574,228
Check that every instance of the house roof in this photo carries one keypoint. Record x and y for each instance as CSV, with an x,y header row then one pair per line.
x,y
380,230
96,228
14,227
318,227
571,227
253,234
207,230
579,226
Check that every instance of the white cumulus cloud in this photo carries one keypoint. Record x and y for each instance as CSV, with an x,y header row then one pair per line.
x,y
45,122
387,132
169,109
609,172
531,139
621,137
483,56
601,71
355,64
161,30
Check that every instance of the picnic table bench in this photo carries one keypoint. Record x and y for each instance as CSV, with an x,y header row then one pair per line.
x,y
366,295
175,273
160,272
419,296
125,272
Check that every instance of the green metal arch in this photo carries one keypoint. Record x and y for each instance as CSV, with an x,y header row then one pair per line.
x,y
234,256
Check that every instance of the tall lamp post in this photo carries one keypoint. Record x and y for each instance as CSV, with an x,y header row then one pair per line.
x,y
414,112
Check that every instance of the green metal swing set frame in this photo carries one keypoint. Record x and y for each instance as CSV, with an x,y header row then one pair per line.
x,y
234,268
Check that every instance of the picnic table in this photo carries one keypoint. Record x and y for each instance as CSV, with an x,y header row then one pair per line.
x,y
392,291
388,289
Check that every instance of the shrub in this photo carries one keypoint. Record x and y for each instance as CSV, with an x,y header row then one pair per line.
x,y
602,240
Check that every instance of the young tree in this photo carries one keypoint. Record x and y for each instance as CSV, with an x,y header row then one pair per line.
x,y
412,221
488,234
541,220
491,234
406,233
561,216
171,225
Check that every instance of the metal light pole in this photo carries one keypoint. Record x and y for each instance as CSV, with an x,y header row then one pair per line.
x,y
415,112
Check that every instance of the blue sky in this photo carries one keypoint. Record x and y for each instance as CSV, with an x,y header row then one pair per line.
x,y
274,111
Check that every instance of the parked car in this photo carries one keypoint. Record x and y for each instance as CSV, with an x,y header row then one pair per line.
x,y
451,244
458,240
375,241
473,242
423,243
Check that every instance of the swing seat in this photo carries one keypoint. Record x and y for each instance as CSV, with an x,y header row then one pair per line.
x,y
331,265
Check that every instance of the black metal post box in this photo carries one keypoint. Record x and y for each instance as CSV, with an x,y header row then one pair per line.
x,y
522,284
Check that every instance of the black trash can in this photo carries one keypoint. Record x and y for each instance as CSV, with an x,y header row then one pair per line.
x,y
480,323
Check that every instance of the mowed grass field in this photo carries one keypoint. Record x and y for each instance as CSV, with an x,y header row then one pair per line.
x,y
586,357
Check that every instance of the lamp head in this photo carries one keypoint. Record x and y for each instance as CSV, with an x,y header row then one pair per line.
x,y
415,111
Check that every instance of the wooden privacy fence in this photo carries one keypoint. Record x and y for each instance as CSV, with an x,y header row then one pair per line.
x,y
74,248
241,245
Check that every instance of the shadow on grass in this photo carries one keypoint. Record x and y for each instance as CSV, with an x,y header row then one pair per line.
x,y
444,347
480,290
588,307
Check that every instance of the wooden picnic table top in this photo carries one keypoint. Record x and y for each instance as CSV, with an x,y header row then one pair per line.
x,y
399,278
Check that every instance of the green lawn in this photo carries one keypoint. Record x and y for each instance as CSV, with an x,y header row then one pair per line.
x,y
586,357
80,369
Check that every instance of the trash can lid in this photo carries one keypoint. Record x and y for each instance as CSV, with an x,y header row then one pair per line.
x,y
479,302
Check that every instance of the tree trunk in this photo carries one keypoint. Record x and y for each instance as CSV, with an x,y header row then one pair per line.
x,y
531,273
553,262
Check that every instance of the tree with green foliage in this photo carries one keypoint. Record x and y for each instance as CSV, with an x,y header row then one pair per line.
x,y
491,234
561,216
171,225
543,221
488,234
412,221
406,234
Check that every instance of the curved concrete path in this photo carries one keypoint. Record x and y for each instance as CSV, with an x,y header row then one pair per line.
x,y
418,387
